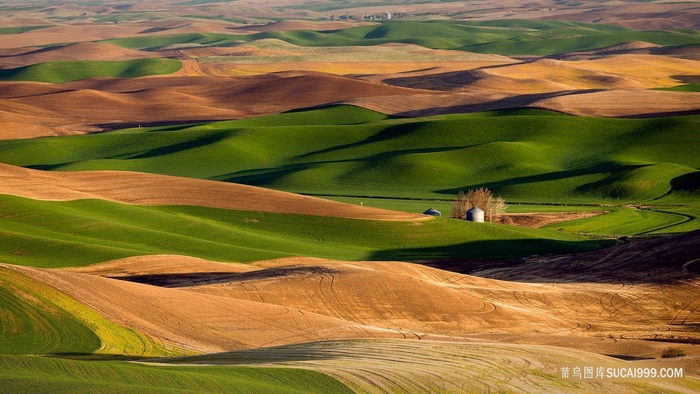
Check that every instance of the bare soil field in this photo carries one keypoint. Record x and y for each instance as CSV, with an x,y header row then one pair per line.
x,y
271,76
38,109
80,50
149,189
541,219
636,15
633,48
72,33
632,300
101,104
177,317
385,365
605,103
547,75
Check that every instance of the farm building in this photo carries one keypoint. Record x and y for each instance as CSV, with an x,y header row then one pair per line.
x,y
432,212
475,215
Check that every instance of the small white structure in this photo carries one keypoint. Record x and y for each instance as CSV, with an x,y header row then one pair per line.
x,y
432,212
475,215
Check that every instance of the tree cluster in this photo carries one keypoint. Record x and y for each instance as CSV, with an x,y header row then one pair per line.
x,y
482,198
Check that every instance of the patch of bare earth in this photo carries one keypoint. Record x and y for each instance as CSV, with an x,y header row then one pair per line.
x,y
632,300
383,326
607,103
77,51
388,366
541,219
103,104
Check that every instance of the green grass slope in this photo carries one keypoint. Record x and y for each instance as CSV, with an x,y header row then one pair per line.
x,y
22,374
75,233
508,37
65,71
20,29
37,319
690,87
523,155
195,39
623,222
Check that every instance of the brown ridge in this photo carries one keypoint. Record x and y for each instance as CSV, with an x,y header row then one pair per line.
x,y
149,189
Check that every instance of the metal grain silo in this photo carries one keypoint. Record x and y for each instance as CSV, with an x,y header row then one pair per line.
x,y
475,215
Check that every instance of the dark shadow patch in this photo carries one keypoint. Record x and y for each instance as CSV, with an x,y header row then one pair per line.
x,y
177,280
600,168
521,101
652,260
626,357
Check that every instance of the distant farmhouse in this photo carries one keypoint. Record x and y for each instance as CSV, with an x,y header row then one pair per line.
x,y
376,17
371,17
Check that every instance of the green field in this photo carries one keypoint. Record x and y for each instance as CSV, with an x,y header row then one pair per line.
x,y
160,41
626,222
75,233
510,37
617,221
523,155
65,71
690,87
23,374
18,30
38,319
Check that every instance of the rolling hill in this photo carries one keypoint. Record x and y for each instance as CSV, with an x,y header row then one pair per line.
x,y
505,37
22,374
83,232
59,72
533,156
170,233
96,51
146,189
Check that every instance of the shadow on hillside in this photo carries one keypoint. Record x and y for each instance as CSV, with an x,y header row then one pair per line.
x,y
156,123
598,169
524,100
266,355
658,260
175,280
444,81
264,176
382,135
486,253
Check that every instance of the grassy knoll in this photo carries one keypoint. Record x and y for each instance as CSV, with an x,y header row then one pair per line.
x,y
690,87
509,37
513,37
37,319
58,72
523,155
625,222
160,41
19,29
56,234
22,374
